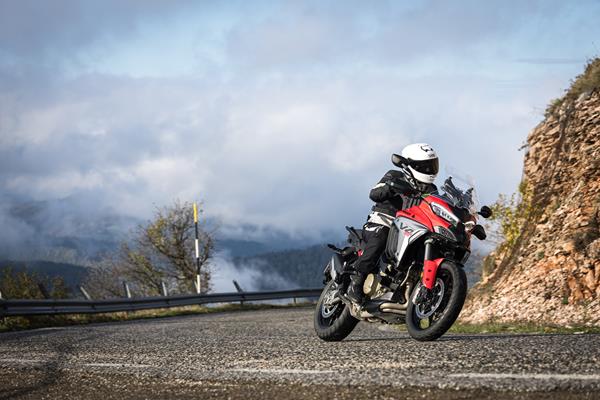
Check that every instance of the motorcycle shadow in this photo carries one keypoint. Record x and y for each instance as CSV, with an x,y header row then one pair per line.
x,y
457,337
378,339
453,337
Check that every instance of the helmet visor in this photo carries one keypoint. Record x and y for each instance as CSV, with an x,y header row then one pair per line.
x,y
429,167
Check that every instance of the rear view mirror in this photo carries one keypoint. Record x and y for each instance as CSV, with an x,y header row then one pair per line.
x,y
478,232
485,212
398,160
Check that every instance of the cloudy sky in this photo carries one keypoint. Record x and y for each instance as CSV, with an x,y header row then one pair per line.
x,y
277,113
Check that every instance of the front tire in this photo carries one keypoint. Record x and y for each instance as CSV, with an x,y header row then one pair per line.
x,y
453,281
332,323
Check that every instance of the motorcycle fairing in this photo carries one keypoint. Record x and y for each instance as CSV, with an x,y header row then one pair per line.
x,y
408,232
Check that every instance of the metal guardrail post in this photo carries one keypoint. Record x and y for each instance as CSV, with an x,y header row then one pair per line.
x,y
239,290
43,290
127,291
85,293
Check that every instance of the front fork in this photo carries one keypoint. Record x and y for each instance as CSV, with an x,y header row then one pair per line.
x,y
430,265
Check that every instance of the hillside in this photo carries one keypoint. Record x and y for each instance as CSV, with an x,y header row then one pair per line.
x,y
550,271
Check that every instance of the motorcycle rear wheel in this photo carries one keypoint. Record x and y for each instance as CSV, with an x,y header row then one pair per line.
x,y
332,324
454,283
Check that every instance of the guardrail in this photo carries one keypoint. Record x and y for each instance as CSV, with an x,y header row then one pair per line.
x,y
70,306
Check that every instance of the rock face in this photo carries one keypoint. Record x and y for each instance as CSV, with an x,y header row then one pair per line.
x,y
551,274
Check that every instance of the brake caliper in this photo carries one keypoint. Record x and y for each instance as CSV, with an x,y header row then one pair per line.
x,y
423,295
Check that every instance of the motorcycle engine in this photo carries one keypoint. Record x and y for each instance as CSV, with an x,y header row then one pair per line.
x,y
372,288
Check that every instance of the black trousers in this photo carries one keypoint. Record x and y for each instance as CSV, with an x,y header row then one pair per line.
x,y
375,237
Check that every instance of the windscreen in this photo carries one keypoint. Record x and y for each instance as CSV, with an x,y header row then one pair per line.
x,y
458,197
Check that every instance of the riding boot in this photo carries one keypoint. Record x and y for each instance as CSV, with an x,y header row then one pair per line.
x,y
355,289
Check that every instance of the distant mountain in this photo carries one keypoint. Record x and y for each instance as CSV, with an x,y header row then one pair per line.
x,y
304,267
288,268
248,240
241,248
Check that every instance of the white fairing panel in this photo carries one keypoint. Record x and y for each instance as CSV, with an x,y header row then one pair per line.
x,y
409,231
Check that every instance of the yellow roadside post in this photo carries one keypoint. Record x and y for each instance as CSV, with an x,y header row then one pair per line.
x,y
197,249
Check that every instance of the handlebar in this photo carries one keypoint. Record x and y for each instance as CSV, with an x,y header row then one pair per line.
x,y
404,189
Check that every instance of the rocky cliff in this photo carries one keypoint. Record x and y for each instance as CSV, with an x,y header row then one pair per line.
x,y
550,271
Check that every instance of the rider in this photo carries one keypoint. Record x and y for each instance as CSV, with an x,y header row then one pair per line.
x,y
397,190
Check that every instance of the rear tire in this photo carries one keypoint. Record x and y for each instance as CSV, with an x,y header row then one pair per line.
x,y
336,326
455,281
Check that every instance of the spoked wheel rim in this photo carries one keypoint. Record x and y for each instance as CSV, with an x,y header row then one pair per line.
x,y
331,307
429,312
428,308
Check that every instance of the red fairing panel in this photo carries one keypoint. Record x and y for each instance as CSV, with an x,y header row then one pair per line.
x,y
416,214
430,268
424,215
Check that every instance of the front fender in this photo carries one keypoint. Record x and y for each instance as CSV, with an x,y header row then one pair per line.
x,y
335,267
430,268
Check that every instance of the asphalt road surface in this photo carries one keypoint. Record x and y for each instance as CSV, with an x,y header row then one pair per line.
x,y
275,354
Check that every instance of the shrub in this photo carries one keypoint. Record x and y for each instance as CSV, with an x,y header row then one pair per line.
x,y
26,285
588,81
511,213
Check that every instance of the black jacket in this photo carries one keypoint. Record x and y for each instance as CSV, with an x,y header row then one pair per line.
x,y
389,200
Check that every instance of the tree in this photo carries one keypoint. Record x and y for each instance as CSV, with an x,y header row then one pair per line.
x,y
162,250
26,285
105,279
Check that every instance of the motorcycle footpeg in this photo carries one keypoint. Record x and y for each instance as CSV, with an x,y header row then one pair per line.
x,y
349,302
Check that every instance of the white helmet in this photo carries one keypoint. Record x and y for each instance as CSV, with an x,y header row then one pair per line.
x,y
422,161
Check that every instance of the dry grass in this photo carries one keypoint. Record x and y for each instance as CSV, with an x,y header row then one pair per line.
x,y
587,82
521,328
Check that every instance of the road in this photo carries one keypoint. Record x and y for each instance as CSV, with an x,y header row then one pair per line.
x,y
274,354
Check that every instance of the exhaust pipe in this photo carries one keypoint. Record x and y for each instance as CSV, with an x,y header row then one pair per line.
x,y
393,311
397,308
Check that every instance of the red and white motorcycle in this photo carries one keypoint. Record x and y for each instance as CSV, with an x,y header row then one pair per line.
x,y
420,279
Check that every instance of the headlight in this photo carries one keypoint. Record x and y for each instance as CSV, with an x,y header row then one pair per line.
x,y
445,214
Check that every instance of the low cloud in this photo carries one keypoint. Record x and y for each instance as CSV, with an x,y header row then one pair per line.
x,y
288,118
248,275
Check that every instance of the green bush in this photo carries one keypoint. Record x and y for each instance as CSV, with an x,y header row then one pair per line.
x,y
511,213
26,285
586,82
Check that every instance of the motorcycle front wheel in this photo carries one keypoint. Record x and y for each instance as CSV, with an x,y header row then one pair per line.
x,y
332,319
430,319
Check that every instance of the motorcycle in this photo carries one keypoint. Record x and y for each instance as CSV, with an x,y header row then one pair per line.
x,y
420,278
